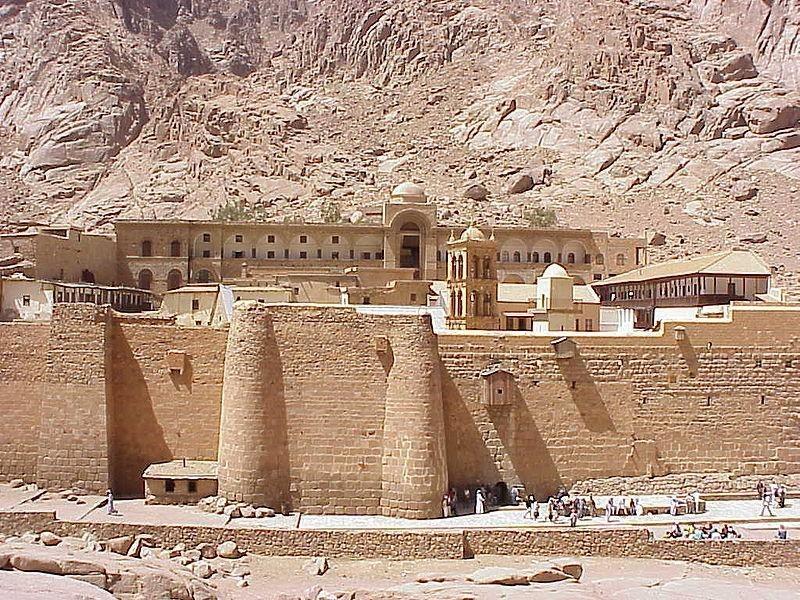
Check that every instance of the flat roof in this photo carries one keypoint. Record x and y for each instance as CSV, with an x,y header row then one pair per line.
x,y
182,469
727,262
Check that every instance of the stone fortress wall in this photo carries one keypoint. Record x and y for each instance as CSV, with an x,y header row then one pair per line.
x,y
337,411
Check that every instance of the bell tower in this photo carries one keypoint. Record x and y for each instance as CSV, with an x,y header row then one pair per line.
x,y
472,281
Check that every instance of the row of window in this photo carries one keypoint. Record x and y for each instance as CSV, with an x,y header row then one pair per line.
x,y
502,256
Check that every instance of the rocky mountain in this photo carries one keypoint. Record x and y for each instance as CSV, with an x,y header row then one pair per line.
x,y
679,118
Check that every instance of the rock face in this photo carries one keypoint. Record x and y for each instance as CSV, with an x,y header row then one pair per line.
x,y
149,109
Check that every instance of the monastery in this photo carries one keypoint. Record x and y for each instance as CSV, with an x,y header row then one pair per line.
x,y
365,407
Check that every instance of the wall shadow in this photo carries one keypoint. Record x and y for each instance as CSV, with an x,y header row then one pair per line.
x,y
689,355
585,395
469,461
136,438
525,446
276,426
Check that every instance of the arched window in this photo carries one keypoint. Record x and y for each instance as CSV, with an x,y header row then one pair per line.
x,y
548,258
145,279
536,257
203,276
571,258
620,260
517,257
599,259
175,248
174,279
587,258
487,262
504,256
147,248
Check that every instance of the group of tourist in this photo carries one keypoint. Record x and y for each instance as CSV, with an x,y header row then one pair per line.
x,y
623,506
475,500
771,495
707,531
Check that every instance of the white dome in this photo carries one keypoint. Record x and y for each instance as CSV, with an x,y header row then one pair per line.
x,y
472,233
555,271
409,192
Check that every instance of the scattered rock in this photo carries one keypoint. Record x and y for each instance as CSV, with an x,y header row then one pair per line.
x,y
120,544
754,238
743,190
498,576
203,570
658,239
520,183
570,566
228,550
316,566
263,511
16,483
247,512
232,511
48,538
207,550
476,191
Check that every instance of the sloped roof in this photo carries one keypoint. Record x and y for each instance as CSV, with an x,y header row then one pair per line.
x,y
182,469
727,262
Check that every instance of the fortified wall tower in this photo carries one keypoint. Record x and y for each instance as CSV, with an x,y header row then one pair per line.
x,y
332,411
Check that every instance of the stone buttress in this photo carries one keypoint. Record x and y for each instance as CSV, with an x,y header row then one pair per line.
x,y
253,456
414,455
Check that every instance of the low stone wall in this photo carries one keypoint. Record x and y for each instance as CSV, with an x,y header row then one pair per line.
x,y
421,545
269,542
681,484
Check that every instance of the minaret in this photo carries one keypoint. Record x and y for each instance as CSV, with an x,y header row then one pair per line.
x,y
472,281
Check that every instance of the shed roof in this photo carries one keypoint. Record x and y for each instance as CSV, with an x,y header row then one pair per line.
x,y
727,262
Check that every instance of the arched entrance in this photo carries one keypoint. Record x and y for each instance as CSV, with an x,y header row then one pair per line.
x,y
410,243
174,279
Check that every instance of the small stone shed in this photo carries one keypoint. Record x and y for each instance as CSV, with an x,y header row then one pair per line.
x,y
180,481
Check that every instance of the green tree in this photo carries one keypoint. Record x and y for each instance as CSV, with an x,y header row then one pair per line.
x,y
541,217
237,209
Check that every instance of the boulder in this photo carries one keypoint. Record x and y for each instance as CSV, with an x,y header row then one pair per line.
x,y
316,566
743,190
119,545
232,511
248,512
228,550
570,566
42,586
193,555
207,550
263,511
773,113
476,191
520,183
48,538
16,483
657,239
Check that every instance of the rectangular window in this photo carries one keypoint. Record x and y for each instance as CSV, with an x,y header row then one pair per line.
x,y
206,237
195,304
238,254
303,254
206,253
588,324
169,485
334,239
335,255
270,239
597,276
252,252
379,256
319,253
413,297
286,253
352,254
192,486
238,238
15,249
365,256
26,300
270,253
303,239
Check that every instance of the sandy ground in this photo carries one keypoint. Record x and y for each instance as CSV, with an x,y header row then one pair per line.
x,y
618,579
